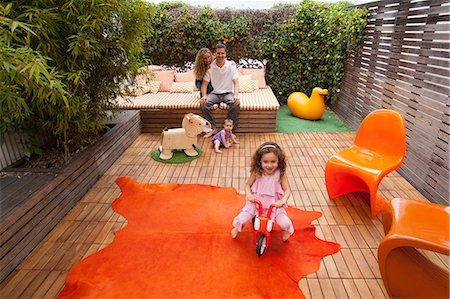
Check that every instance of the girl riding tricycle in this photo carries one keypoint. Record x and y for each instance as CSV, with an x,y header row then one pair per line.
x,y
268,184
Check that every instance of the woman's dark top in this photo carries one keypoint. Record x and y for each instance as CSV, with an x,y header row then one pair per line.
x,y
198,83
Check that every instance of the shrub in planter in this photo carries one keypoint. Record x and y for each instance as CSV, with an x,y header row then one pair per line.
x,y
62,62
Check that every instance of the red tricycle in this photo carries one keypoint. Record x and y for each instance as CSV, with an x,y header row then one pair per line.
x,y
263,225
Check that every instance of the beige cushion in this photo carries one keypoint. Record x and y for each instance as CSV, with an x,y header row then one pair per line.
x,y
257,74
182,87
185,77
166,78
245,84
154,86
140,89
255,85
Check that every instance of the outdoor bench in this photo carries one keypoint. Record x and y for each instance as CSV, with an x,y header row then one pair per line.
x,y
166,110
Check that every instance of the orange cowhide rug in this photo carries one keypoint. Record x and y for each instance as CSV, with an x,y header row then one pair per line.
x,y
177,244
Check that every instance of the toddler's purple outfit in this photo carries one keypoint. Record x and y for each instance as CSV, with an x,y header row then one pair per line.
x,y
268,190
218,137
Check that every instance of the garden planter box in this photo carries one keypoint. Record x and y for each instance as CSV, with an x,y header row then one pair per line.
x,y
34,201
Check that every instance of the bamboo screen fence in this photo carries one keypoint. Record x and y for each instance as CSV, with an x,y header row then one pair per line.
x,y
404,65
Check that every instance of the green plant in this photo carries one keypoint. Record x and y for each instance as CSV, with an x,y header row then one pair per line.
x,y
305,44
309,49
63,63
181,30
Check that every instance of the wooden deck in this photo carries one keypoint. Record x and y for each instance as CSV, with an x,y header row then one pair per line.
x,y
33,203
89,226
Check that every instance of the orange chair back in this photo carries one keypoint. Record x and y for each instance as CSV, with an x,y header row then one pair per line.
x,y
383,131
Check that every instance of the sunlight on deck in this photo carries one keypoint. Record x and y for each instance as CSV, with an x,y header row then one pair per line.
x,y
351,273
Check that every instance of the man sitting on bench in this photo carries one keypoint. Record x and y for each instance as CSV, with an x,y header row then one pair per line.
x,y
223,75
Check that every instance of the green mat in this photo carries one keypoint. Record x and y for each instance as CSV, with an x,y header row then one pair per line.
x,y
287,123
178,156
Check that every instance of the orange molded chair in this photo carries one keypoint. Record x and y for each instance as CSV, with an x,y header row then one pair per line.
x,y
410,225
379,148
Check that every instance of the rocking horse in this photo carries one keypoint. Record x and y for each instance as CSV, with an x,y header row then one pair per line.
x,y
183,138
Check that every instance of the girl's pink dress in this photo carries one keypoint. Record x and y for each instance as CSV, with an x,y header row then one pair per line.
x,y
268,190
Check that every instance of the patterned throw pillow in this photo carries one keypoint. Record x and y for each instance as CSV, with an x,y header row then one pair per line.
x,y
153,86
134,91
255,85
143,88
257,74
146,73
182,87
245,84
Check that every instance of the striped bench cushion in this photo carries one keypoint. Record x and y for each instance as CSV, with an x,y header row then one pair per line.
x,y
263,99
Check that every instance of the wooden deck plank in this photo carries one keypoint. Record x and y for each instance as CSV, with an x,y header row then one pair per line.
x,y
90,225
303,285
315,289
352,290
375,288
363,265
351,263
49,279
363,289
327,288
339,289
27,280
37,280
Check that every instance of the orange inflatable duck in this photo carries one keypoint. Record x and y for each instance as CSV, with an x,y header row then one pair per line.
x,y
311,108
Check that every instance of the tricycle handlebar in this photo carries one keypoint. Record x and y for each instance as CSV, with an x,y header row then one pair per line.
x,y
260,208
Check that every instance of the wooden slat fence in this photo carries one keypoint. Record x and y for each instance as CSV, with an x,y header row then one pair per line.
x,y
404,65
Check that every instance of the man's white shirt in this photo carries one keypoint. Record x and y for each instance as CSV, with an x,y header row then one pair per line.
x,y
222,78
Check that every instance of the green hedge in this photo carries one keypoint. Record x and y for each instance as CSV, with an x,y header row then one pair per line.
x,y
305,45
309,49
179,31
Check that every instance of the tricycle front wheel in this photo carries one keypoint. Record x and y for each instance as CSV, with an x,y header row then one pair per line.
x,y
261,245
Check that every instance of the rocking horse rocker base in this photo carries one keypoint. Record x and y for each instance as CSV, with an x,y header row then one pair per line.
x,y
167,154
